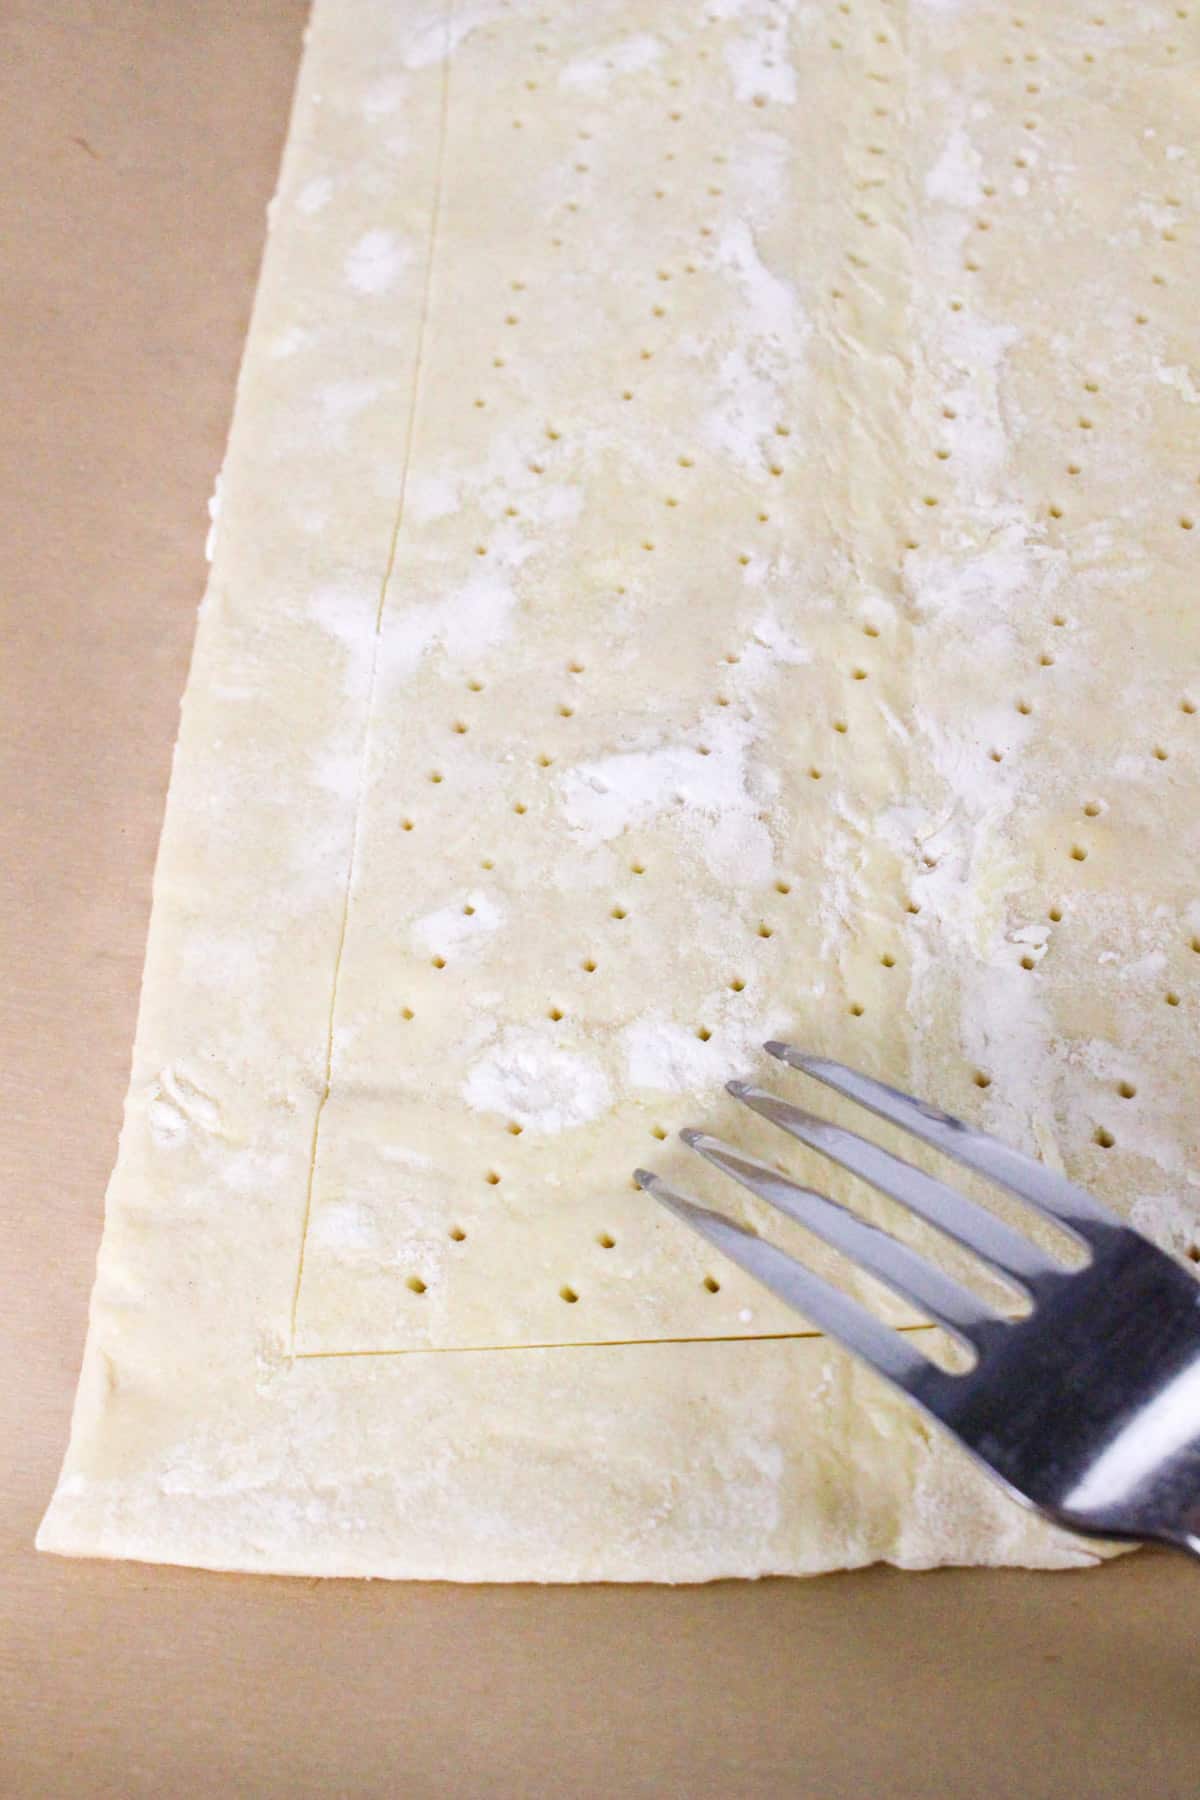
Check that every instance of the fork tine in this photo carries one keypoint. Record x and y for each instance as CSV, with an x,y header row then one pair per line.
x,y
961,1219
832,1312
1022,1175
945,1301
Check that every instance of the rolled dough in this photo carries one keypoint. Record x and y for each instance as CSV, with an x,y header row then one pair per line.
x,y
705,552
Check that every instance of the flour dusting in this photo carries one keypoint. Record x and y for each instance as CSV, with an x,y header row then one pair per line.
x,y
762,364
459,926
529,1078
707,784
375,262
593,74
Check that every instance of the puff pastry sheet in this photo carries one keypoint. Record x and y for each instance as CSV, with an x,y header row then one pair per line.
x,y
705,552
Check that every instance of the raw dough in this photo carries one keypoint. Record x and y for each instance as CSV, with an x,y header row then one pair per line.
x,y
705,543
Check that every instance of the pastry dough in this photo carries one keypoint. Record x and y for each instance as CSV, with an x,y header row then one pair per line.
x,y
704,553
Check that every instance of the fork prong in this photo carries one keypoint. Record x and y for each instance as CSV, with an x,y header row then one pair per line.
x,y
1022,1175
946,1301
980,1231
832,1312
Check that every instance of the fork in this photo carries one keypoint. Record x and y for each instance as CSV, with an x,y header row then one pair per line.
x,y
1086,1409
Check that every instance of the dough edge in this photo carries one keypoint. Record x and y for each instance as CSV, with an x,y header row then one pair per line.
x,y
196,1439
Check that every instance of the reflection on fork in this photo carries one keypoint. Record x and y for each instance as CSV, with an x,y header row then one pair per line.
x,y
1087,1407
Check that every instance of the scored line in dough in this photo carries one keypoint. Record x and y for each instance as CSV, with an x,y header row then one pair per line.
x,y
409,437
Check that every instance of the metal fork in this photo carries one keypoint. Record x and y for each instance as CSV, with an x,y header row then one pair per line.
x,y
1088,1408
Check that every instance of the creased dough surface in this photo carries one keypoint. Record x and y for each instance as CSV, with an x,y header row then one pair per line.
x,y
704,553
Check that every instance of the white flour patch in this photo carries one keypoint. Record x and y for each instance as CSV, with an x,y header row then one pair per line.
x,y
384,97
554,504
214,512
167,1124
222,959
956,177
340,402
985,591
341,1226
662,1055
404,1157
347,612
761,69
710,793
529,1078
288,342
315,194
176,1106
374,264
1179,377
592,74
471,618
768,647
759,176
980,443
337,772
773,314
772,334
457,926
431,497
438,36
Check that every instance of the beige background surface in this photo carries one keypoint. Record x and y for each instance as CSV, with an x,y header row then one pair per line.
x,y
140,146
